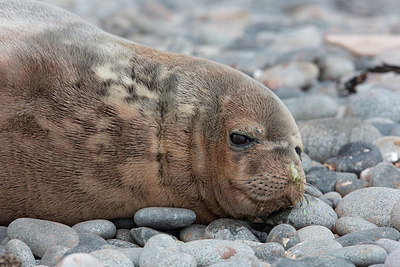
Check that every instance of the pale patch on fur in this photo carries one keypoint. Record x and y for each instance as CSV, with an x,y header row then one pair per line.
x,y
105,72
116,94
143,91
187,109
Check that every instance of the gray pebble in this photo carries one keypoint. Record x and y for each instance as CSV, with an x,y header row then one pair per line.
x,y
312,248
3,233
133,254
346,225
358,204
287,93
121,244
164,218
306,161
229,229
103,228
314,232
142,234
335,67
112,258
79,260
385,175
385,126
53,255
322,138
207,252
192,232
240,261
347,185
4,241
304,107
311,212
108,246
395,216
331,198
326,261
285,262
269,250
361,255
393,258
372,234
388,244
40,235
124,235
322,178
312,191
21,252
88,242
284,234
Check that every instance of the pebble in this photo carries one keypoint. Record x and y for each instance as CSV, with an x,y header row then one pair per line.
x,y
3,232
192,232
385,126
322,178
327,261
395,216
347,225
79,260
304,107
284,234
355,157
393,258
287,93
313,212
347,185
358,204
103,228
314,232
334,67
312,191
124,235
269,250
164,218
142,234
207,252
385,175
331,198
53,255
228,229
306,162
322,138
360,255
88,242
240,261
388,244
314,247
285,262
389,147
133,254
112,258
121,244
371,234
21,252
40,235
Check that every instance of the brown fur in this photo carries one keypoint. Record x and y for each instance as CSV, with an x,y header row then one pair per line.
x,y
94,126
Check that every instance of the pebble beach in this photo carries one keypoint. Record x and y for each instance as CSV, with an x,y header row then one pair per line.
x,y
301,50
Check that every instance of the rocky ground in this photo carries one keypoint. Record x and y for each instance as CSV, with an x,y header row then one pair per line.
x,y
351,213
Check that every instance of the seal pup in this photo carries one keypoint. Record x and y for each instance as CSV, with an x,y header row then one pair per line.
x,y
96,126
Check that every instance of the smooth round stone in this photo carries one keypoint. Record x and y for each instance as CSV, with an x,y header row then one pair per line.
x,y
334,67
111,258
388,244
192,232
53,255
287,93
312,191
88,242
331,198
103,228
21,252
385,126
327,261
347,225
360,255
142,234
121,244
322,178
228,229
124,235
322,138
312,248
207,252
3,233
355,157
292,74
395,216
304,107
375,102
393,258
389,147
284,234
371,234
79,260
240,261
358,204
385,175
270,250
164,218
40,235
285,262
311,212
314,232
347,185
127,223
133,254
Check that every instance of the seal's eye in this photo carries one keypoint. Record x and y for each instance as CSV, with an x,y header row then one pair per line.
x,y
298,150
240,140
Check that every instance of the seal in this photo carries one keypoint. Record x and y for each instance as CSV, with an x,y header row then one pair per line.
x,y
96,126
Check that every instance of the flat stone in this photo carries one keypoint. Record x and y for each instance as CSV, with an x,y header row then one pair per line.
x,y
40,235
371,234
192,232
358,204
79,260
229,229
360,255
53,255
312,248
103,228
21,252
346,225
164,218
314,232
111,258
284,234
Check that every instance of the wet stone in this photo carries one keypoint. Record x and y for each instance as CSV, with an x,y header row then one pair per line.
x,y
229,229
322,178
53,255
121,244
112,258
385,175
371,234
347,225
192,232
164,218
314,232
355,157
347,185
312,248
103,228
361,255
21,252
284,234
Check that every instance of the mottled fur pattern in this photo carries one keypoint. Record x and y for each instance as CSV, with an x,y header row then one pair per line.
x,y
94,126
